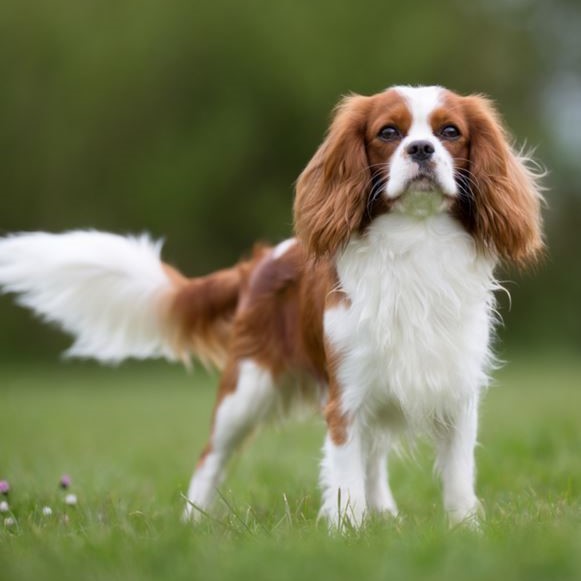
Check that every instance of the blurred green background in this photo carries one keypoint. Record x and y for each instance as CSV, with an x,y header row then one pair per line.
x,y
191,120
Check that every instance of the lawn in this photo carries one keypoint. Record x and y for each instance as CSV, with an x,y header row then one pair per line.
x,y
129,439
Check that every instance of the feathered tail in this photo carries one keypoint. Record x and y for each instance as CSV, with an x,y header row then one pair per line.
x,y
117,298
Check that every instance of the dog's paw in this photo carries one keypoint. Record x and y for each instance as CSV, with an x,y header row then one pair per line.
x,y
192,513
470,518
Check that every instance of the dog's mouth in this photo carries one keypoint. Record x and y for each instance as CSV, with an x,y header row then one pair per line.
x,y
422,197
424,181
422,184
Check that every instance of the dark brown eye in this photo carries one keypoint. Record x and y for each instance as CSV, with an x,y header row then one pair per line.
x,y
389,133
450,132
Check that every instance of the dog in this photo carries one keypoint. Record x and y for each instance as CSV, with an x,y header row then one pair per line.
x,y
380,311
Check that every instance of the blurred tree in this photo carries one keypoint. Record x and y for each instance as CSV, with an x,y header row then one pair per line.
x,y
192,120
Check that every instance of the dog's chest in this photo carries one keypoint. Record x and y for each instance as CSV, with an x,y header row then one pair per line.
x,y
416,330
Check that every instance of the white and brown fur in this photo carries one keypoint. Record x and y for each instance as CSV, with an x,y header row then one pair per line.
x,y
381,309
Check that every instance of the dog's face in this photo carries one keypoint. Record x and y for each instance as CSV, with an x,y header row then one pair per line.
x,y
419,151
412,142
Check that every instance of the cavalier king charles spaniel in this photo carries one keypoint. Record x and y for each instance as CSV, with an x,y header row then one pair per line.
x,y
380,311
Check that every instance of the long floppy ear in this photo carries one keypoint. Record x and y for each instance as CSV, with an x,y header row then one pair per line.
x,y
331,192
506,191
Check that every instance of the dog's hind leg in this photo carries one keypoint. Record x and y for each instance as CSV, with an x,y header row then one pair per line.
x,y
246,397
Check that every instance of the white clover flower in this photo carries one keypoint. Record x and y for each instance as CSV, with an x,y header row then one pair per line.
x,y
71,499
46,510
9,521
4,506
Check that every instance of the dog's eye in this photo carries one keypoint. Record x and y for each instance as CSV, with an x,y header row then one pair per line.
x,y
389,133
450,132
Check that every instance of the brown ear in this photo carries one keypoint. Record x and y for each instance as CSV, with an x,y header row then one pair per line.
x,y
331,192
505,190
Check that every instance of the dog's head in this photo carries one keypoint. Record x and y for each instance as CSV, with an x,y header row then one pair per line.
x,y
419,151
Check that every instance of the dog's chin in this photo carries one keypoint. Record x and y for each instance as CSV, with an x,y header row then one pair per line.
x,y
422,183
422,197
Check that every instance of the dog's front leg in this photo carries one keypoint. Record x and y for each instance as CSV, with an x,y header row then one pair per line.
x,y
343,479
345,456
455,463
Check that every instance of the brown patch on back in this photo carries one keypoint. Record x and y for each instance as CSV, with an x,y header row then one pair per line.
x,y
279,324
280,320
266,309
200,311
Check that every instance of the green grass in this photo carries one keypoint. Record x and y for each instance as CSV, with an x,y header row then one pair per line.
x,y
130,438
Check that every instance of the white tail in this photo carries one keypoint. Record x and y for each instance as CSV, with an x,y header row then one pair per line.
x,y
106,290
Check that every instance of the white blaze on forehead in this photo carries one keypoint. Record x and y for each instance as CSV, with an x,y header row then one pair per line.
x,y
422,102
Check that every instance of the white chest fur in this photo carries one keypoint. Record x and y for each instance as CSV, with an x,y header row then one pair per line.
x,y
415,337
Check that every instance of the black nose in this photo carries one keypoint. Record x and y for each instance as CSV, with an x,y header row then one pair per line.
x,y
420,150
